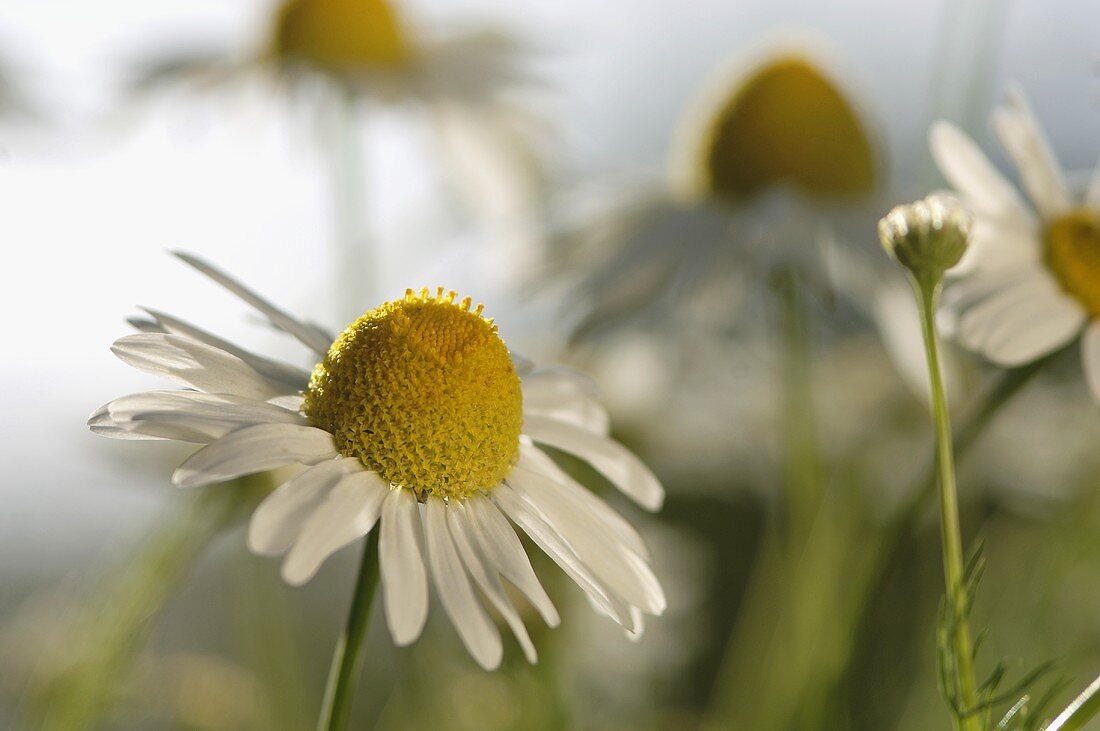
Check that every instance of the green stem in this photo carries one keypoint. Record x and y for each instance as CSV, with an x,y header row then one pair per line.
x,y
953,566
344,673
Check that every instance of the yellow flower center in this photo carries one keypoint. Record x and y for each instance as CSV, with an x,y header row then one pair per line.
x,y
786,124
1073,254
422,391
341,36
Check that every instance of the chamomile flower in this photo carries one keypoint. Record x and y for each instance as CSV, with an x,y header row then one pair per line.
x,y
764,160
1030,281
417,422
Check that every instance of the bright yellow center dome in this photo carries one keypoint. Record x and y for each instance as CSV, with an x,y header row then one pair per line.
x,y
341,36
422,391
1073,254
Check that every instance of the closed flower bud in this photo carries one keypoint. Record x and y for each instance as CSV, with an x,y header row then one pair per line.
x,y
927,237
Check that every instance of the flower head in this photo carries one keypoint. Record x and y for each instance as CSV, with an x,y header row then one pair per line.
x,y
1028,284
418,419
927,237
340,36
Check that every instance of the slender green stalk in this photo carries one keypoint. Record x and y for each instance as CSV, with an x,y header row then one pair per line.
x,y
953,565
344,673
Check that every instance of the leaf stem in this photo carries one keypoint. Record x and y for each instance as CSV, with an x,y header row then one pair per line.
x,y
340,690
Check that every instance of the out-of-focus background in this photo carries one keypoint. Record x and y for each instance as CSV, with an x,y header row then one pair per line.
x,y
110,156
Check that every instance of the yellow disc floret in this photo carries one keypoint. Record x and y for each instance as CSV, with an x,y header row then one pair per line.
x,y
422,391
341,36
1073,254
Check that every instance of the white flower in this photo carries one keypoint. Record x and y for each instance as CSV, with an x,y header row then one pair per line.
x,y
418,419
1030,280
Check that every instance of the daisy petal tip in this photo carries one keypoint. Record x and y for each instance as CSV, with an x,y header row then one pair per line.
x,y
297,573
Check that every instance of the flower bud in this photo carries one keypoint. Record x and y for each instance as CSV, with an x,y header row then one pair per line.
x,y
927,237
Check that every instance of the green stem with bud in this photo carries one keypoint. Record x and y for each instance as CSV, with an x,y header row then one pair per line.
x,y
953,565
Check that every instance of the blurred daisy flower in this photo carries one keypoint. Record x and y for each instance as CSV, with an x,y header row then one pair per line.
x,y
472,85
418,419
762,165
1030,281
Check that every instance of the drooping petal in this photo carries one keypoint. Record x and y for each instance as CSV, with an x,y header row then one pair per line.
x,y
470,620
309,335
1017,324
255,449
278,519
1090,356
295,379
462,533
1027,144
502,548
346,515
626,573
528,517
611,459
400,555
194,416
584,498
194,364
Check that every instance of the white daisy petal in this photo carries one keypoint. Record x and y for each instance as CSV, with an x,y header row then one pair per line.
x,y
462,532
278,519
400,556
971,173
528,517
522,365
255,449
503,549
193,416
583,411
998,244
1090,356
477,631
295,379
194,364
1026,143
585,499
611,459
102,423
1017,324
309,335
626,573
1092,196
346,515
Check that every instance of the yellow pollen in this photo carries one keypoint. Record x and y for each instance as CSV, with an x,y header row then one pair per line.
x,y
422,391
341,36
1073,254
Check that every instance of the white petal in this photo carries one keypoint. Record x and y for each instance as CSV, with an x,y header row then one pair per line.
x,y
546,398
522,365
561,380
1025,142
1092,196
503,549
101,423
528,517
193,416
987,192
585,499
279,518
998,244
255,449
295,379
404,580
1090,356
1018,324
462,533
194,364
346,515
609,559
309,335
611,459
478,633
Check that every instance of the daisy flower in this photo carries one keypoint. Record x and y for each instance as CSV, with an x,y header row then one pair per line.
x,y
416,422
760,165
1030,281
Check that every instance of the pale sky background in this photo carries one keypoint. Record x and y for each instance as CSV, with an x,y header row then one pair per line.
x,y
90,203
